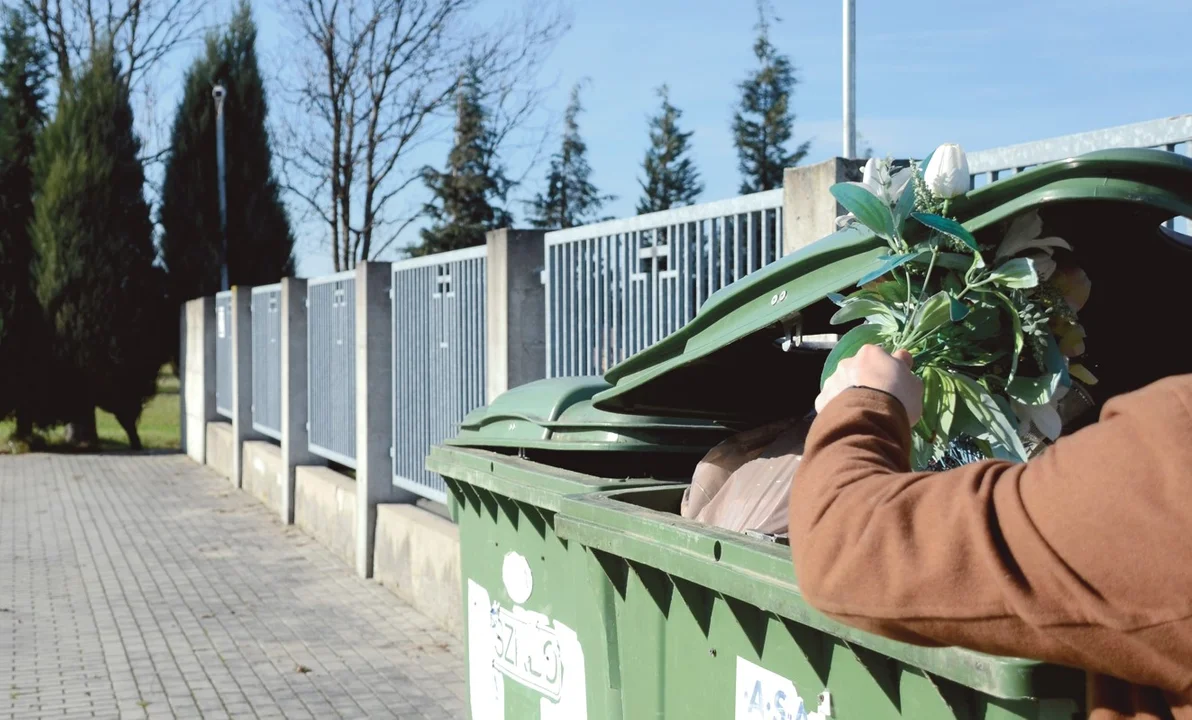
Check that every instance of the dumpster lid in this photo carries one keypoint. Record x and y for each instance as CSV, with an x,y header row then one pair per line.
x,y
728,363
557,414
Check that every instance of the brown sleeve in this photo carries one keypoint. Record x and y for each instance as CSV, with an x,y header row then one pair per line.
x,y
1080,556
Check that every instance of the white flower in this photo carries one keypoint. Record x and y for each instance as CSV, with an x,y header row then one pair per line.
x,y
1024,234
1044,265
947,175
877,178
1045,417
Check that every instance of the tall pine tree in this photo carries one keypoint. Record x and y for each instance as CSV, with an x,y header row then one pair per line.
x,y
671,178
96,280
570,199
23,76
260,242
467,197
762,126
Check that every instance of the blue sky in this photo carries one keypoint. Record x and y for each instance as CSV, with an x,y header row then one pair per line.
x,y
983,74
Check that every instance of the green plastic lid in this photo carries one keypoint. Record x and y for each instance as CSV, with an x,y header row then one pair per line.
x,y
729,364
557,414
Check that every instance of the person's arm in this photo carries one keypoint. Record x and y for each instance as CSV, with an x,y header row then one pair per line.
x,y
1080,556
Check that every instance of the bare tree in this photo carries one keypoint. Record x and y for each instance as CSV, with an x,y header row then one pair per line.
x,y
378,76
142,31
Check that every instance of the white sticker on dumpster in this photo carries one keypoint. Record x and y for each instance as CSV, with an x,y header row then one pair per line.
x,y
763,695
527,648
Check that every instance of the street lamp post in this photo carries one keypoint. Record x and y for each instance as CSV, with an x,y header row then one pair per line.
x,y
219,93
850,78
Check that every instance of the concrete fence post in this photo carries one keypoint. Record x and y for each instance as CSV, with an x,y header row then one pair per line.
x,y
516,323
196,372
374,406
295,434
241,379
808,209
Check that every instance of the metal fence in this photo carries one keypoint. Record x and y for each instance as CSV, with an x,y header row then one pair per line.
x,y
1173,134
266,360
223,353
617,287
331,368
438,357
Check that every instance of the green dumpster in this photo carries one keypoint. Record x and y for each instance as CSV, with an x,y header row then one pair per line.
x,y
535,620
711,624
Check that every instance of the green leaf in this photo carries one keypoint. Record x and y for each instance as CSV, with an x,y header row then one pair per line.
x,y
952,261
952,283
980,360
1018,274
939,404
890,262
848,345
1037,391
836,299
876,311
958,310
989,415
905,205
931,314
983,322
922,451
870,211
892,291
1018,338
948,227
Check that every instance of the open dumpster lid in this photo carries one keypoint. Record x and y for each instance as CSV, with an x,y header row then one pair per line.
x,y
557,414
728,364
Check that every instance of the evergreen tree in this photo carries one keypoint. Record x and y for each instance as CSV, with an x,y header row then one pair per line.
x,y
570,199
468,195
762,126
260,242
96,281
671,177
23,75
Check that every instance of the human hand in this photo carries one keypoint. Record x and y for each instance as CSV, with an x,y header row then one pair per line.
x,y
872,367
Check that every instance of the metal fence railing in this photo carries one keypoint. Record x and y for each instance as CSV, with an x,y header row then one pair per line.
x,y
438,357
615,288
266,360
1173,133
331,369
223,353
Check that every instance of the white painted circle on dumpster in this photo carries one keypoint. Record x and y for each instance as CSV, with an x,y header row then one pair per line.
x,y
519,581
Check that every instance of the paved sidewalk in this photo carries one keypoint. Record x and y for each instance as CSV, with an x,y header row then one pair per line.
x,y
145,586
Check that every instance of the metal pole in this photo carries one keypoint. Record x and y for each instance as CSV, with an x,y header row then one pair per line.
x,y
219,94
850,78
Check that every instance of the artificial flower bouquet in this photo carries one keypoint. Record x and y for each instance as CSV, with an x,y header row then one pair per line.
x,y
993,328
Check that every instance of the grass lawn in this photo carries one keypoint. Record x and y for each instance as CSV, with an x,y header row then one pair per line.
x,y
159,424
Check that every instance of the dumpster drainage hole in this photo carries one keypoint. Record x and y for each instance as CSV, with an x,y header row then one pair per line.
x,y
716,551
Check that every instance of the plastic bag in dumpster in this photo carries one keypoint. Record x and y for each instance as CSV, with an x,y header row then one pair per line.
x,y
744,483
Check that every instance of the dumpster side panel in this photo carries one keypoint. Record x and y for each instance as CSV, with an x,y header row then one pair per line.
x,y
534,648
690,652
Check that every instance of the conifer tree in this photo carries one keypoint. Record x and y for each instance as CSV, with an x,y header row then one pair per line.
x,y
96,282
570,198
468,196
23,76
763,125
671,178
260,241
